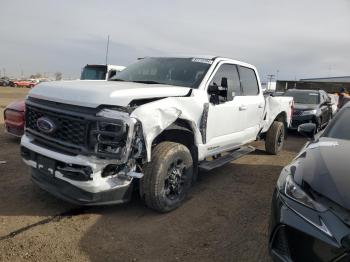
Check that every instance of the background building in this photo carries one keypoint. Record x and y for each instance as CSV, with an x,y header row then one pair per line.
x,y
329,84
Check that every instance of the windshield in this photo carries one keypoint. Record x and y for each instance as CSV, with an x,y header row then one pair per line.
x,y
187,72
311,98
94,73
340,128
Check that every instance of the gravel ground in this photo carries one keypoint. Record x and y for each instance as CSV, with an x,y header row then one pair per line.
x,y
224,219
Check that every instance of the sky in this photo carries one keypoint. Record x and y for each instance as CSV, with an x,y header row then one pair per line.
x,y
290,39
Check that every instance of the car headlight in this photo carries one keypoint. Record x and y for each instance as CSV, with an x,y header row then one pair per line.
x,y
309,112
109,136
292,190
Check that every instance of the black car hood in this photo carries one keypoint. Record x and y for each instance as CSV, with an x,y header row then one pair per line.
x,y
324,165
305,106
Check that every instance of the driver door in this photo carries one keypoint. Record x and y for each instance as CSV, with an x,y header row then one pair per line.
x,y
226,116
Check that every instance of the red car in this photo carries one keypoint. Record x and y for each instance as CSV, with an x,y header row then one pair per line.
x,y
14,118
23,83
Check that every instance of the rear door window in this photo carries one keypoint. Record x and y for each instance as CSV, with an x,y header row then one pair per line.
x,y
249,81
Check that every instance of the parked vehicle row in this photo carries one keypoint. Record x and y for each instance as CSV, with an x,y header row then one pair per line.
x,y
23,83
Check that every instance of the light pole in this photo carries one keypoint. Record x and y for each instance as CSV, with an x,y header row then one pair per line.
x,y
107,50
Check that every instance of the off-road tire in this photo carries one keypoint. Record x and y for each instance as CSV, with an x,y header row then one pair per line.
x,y
275,138
152,185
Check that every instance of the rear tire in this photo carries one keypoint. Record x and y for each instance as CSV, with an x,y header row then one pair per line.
x,y
275,138
167,178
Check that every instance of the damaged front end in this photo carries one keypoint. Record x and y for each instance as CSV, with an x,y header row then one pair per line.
x,y
125,145
90,158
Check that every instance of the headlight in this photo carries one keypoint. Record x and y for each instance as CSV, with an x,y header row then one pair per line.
x,y
109,135
309,112
292,190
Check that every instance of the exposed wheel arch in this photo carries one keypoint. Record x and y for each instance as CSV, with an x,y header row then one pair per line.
x,y
180,132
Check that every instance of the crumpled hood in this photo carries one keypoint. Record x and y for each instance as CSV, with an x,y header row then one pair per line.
x,y
305,106
95,93
325,166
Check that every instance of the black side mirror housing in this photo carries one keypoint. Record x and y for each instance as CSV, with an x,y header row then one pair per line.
x,y
308,130
224,82
213,90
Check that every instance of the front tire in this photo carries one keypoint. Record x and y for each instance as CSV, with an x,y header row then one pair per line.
x,y
167,178
275,138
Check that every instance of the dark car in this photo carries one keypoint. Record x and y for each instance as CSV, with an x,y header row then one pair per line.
x,y
310,212
5,81
310,106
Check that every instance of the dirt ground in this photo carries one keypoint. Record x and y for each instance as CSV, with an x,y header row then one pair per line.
x,y
224,219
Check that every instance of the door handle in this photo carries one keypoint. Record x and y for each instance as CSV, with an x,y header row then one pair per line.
x,y
242,108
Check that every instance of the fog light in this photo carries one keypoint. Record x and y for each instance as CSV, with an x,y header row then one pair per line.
x,y
346,242
111,170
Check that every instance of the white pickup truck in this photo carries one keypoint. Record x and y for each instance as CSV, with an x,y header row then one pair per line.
x,y
151,128
100,72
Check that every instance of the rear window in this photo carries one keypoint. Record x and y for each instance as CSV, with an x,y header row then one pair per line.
x,y
311,98
340,128
94,73
249,81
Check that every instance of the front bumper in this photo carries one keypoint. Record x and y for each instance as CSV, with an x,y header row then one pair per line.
x,y
292,237
85,187
66,191
298,120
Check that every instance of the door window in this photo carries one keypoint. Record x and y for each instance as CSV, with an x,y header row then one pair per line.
x,y
229,72
249,81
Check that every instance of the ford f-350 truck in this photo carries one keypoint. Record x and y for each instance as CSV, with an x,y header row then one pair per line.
x,y
148,130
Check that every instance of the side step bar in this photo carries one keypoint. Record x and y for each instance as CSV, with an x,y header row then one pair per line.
x,y
233,155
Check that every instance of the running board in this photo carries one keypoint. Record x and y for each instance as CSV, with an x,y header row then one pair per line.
x,y
209,165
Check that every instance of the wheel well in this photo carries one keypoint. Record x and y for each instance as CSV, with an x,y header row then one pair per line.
x,y
179,132
282,117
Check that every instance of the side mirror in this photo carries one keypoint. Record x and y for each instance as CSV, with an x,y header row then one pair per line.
x,y
213,90
224,82
308,130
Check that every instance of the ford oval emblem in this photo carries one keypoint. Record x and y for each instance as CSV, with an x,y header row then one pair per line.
x,y
46,125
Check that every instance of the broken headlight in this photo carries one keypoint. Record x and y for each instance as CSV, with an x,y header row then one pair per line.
x,y
110,137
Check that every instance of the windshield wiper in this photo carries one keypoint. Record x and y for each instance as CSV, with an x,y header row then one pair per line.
x,y
148,82
117,79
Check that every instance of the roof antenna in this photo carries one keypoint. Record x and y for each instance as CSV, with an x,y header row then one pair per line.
x,y
107,50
